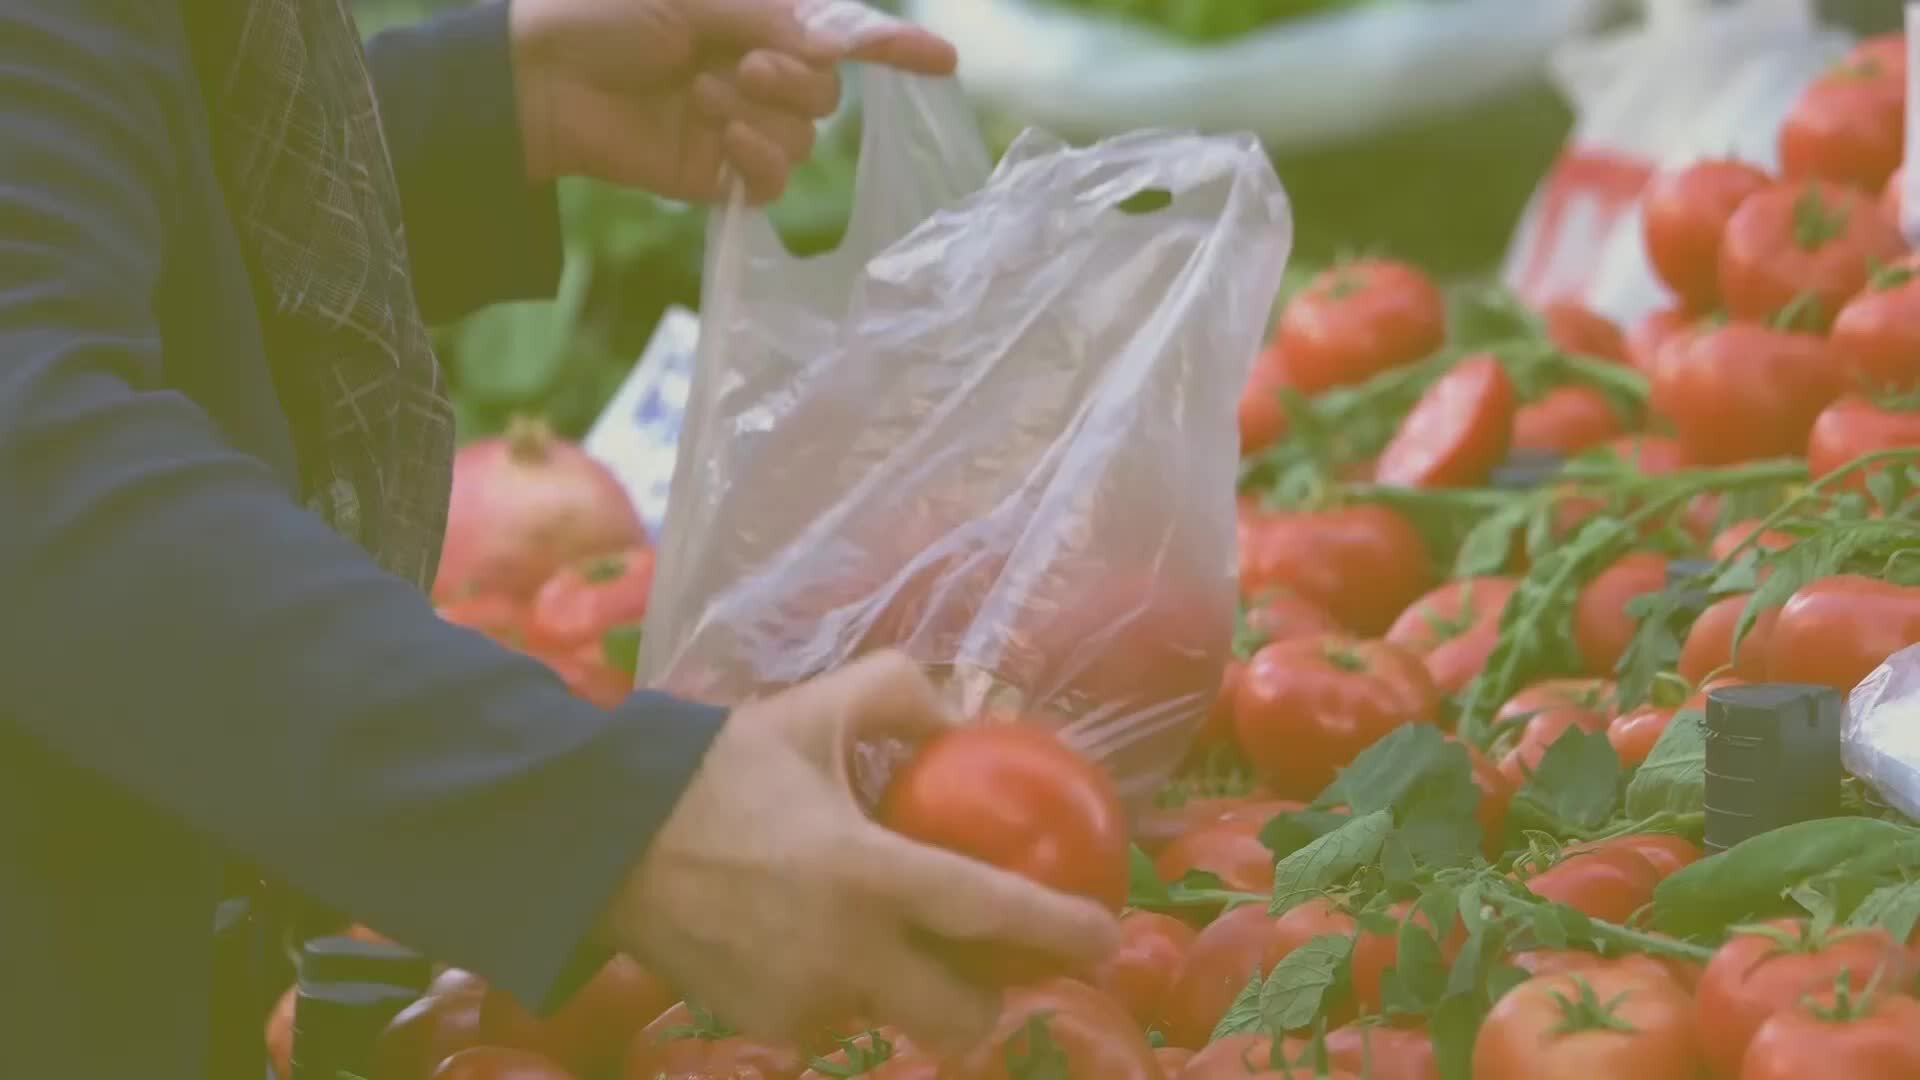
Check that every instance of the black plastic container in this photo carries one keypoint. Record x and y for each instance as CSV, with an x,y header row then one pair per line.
x,y
349,991
1773,758
343,959
1525,470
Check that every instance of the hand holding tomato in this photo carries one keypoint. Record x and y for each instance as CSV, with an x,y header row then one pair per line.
x,y
767,877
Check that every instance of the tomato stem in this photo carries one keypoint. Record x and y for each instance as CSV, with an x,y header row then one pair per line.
x,y
529,438
1344,658
1814,222
604,568
1586,1012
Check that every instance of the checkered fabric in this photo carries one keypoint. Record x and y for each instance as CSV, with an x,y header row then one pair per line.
x,y
298,142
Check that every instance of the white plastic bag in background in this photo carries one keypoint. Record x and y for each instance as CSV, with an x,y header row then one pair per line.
x,y
994,428
638,432
1693,80
1302,81
1880,738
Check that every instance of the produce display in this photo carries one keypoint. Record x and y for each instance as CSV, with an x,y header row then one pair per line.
x,y
1450,815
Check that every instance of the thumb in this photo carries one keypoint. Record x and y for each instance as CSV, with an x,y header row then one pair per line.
x,y
779,25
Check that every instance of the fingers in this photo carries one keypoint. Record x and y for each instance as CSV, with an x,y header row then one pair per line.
x,y
822,32
966,900
787,83
936,1008
910,49
762,142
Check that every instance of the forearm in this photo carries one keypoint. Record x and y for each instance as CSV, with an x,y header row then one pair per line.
x,y
478,231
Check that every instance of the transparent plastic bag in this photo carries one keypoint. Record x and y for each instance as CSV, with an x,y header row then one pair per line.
x,y
1880,738
994,428
1696,79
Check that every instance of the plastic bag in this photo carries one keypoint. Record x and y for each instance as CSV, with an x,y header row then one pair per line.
x,y
1695,80
1880,738
1300,82
994,428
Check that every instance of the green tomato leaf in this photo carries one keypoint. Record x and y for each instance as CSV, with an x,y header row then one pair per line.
x,y
1673,779
1577,781
1243,1016
1894,908
1301,984
1331,860
1488,546
1751,878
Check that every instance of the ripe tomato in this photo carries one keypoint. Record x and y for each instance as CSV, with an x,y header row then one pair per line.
x,y
1848,127
1652,455
1014,795
1836,630
1758,973
1884,55
1803,236
1744,392
1633,734
583,601
1602,629
1263,421
1566,420
443,1022
1318,916
1456,433
588,673
1357,320
1093,1036
1684,213
674,1044
1280,615
1383,1052
1495,794
1362,564
1454,628
1246,1056
1736,534
1600,1021
865,1054
1668,852
1588,695
1142,970
1708,647
1374,952
1217,729
1853,426
1231,850
1229,951
1172,1060
1308,706
1651,334
1609,883
1576,328
500,1063
592,1029
1890,197
1876,337
1163,826
500,617
1870,1037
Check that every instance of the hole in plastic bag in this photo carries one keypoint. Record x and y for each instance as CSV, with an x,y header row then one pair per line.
x,y
1146,201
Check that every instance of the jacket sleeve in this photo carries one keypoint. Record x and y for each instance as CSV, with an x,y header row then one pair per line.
x,y
173,622
477,231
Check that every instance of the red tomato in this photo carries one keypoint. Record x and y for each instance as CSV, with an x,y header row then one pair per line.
x,y
1495,794
440,1024
1848,127
280,1033
1836,630
1634,734
587,672
1242,1057
1318,916
1759,973
583,601
1566,420
1708,648
500,617
1217,729
1231,850
1854,426
1172,1060
1744,392
1890,197
1702,515
500,1063
1609,883
673,1045
1805,236
1308,706
1602,629
1884,55
1142,970
1614,1021
1363,564
1589,695
1454,628
1653,455
1014,795
1539,734
1282,615
1163,826
1684,213
1736,534
1876,337
1263,421
873,1049
1382,1052
1576,328
1229,951
1357,320
591,1030
1456,433
1094,1035
1873,1036
1652,333
1668,852
1538,962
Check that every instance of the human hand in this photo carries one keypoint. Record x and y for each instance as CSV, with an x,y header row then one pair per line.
x,y
662,94
772,899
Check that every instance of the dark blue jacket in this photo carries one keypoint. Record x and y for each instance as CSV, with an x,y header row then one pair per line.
x,y
193,669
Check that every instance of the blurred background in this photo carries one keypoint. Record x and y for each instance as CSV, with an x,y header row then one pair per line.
x,y
1429,149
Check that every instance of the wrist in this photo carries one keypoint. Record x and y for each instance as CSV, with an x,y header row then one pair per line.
x,y
532,93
